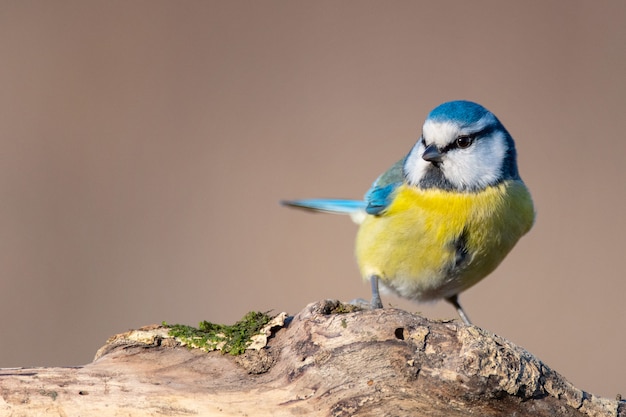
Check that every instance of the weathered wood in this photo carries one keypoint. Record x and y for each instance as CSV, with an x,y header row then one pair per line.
x,y
367,363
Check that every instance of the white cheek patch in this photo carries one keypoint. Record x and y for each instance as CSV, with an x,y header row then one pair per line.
x,y
478,166
415,167
472,168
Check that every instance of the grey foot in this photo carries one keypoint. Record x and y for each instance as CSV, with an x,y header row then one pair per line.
x,y
366,305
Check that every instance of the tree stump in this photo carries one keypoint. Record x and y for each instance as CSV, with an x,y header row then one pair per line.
x,y
328,360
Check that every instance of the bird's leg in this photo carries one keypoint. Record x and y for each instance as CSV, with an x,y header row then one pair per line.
x,y
376,301
454,300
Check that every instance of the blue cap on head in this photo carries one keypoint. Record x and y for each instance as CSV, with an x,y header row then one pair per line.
x,y
461,111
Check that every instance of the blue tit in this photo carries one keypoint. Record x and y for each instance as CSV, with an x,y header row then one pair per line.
x,y
445,216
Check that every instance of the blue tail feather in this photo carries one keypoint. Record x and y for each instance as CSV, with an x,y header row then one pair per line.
x,y
337,206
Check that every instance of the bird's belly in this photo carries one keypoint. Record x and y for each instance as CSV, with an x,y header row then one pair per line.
x,y
431,244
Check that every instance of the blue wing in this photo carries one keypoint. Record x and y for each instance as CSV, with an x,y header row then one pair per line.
x,y
380,195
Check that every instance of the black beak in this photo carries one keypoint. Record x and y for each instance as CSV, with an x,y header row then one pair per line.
x,y
432,154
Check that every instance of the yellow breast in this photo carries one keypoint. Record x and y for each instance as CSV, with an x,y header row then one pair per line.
x,y
431,244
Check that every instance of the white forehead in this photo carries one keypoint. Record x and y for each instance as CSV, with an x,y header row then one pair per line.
x,y
442,132
439,133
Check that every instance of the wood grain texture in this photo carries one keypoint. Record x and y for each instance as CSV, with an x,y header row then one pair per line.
x,y
366,363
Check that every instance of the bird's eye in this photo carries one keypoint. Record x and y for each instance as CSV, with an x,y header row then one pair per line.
x,y
464,141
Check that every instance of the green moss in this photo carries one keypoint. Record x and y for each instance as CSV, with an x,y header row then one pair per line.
x,y
341,308
233,339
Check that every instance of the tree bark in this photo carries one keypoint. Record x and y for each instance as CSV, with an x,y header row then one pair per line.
x,y
324,361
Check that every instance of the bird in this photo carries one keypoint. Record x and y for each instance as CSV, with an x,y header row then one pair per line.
x,y
443,217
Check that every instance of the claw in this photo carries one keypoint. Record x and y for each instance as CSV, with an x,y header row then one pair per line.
x,y
454,300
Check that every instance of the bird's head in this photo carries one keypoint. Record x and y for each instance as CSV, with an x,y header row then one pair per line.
x,y
463,147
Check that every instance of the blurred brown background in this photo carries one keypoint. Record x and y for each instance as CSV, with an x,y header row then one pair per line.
x,y
144,147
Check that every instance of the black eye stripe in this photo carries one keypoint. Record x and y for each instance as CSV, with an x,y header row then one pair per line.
x,y
461,142
472,136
